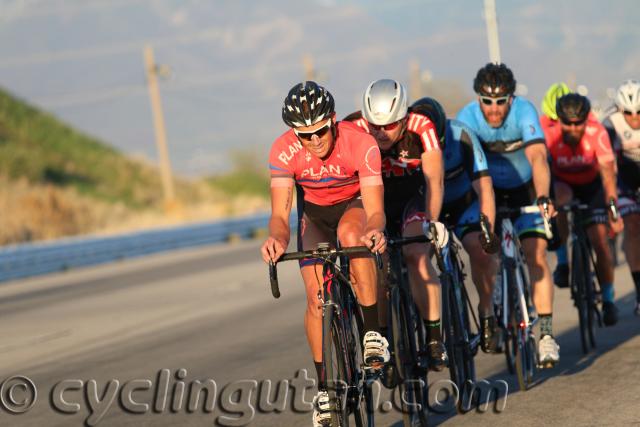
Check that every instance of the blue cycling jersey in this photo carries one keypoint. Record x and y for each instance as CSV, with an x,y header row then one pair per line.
x,y
464,160
503,146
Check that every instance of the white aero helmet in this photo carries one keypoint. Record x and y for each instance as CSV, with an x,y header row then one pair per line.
x,y
628,96
384,102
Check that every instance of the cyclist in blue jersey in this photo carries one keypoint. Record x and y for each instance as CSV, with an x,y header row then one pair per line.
x,y
510,134
468,191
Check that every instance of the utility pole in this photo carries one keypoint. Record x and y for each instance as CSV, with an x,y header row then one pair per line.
x,y
309,70
415,81
492,30
152,70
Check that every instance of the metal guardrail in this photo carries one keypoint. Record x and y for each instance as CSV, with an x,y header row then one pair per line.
x,y
30,259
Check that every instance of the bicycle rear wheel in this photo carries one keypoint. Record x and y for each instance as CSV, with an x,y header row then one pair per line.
x,y
412,388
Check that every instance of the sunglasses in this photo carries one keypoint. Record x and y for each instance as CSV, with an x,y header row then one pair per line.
x,y
574,123
631,113
390,126
320,132
487,100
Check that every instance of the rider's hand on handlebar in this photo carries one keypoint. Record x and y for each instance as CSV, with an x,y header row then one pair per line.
x,y
375,240
616,226
492,246
441,232
272,249
547,208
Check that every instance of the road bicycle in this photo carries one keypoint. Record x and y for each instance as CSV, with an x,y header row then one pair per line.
x,y
457,312
583,279
512,299
408,336
347,378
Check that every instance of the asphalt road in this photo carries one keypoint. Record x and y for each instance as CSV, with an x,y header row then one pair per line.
x,y
100,343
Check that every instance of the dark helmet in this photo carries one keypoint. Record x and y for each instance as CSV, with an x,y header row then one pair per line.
x,y
573,107
432,109
306,104
494,80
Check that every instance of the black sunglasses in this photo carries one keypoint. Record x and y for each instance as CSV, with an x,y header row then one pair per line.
x,y
320,132
631,113
574,123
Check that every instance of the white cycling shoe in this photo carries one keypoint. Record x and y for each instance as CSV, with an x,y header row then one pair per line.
x,y
548,351
321,410
376,349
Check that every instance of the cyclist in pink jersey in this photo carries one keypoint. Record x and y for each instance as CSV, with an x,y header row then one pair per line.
x,y
336,167
583,165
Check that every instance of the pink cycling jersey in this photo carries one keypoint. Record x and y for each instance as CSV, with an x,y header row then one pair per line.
x,y
581,164
353,162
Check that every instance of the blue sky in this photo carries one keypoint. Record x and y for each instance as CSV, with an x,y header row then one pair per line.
x,y
232,62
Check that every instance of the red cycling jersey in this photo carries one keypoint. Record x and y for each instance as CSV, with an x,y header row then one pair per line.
x,y
353,162
579,165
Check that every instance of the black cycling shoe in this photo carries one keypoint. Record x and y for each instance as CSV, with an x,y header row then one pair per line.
x,y
609,313
561,276
490,336
438,358
389,375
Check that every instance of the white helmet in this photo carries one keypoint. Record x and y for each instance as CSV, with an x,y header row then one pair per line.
x,y
628,96
384,102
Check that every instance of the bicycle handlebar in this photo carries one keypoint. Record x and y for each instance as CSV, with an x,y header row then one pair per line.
x,y
504,211
322,251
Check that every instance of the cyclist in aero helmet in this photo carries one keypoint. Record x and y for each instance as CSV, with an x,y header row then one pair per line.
x,y
624,128
509,131
583,166
412,172
468,192
336,168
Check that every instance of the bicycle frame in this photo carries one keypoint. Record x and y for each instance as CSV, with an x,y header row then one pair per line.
x,y
511,257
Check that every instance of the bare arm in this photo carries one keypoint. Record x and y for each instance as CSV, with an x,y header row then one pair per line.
x,y
537,156
608,174
433,170
279,231
483,187
373,202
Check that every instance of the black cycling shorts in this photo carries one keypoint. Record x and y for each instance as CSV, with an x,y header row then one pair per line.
x,y
591,194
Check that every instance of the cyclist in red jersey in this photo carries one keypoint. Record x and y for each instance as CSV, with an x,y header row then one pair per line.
x,y
583,165
413,174
336,167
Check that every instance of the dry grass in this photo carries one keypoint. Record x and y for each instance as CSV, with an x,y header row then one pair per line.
x,y
30,212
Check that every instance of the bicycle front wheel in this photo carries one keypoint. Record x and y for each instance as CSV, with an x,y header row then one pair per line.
x,y
335,366
524,356
412,388
580,275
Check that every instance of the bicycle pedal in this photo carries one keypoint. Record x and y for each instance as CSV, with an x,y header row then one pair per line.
x,y
546,365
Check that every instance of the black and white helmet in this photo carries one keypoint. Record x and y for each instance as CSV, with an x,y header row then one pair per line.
x,y
628,96
384,102
306,104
